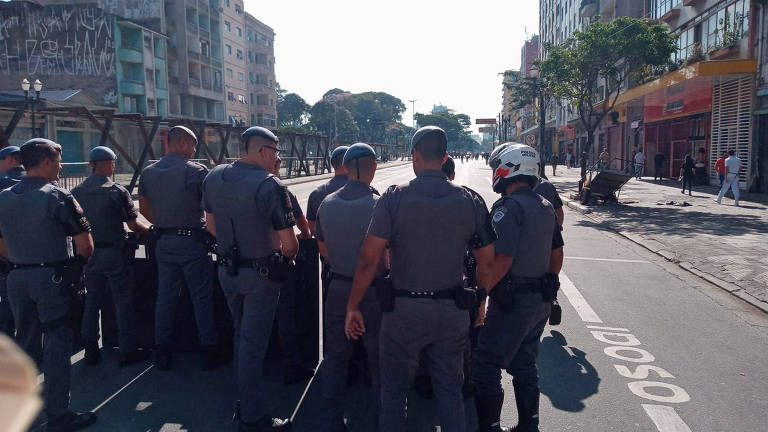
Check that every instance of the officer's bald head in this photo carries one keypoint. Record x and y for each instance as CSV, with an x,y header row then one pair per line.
x,y
431,147
182,140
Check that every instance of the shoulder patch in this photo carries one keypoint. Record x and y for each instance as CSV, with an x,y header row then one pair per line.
x,y
499,214
78,208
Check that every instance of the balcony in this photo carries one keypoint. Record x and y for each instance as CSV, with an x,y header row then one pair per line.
x,y
588,8
672,15
207,84
193,55
131,87
205,33
692,2
194,81
131,54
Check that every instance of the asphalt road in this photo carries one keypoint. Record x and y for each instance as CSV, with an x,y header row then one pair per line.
x,y
643,346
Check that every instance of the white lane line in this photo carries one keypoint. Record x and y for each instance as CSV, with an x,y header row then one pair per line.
x,y
114,395
665,418
608,260
618,329
583,308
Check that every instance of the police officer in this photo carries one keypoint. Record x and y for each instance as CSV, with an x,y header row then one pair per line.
x,y
107,205
529,254
11,174
342,223
250,213
10,166
295,371
170,194
547,190
428,224
339,179
39,225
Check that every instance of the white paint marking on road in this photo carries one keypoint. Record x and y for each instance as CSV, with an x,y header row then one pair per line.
x,y
76,357
607,328
608,260
578,302
665,418
114,395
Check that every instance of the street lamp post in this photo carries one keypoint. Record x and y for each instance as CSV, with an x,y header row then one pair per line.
x,y
542,112
413,111
38,87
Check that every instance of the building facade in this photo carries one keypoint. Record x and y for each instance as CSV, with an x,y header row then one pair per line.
x,y
235,72
262,98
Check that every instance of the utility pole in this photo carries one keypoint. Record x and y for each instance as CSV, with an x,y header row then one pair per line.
x,y
413,111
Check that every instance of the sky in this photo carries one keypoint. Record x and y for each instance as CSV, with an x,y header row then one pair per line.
x,y
437,52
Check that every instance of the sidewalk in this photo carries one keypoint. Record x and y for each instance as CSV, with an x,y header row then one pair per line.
x,y
722,243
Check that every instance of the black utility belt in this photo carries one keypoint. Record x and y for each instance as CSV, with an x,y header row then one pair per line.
x,y
504,293
118,244
272,267
341,277
52,264
181,232
434,295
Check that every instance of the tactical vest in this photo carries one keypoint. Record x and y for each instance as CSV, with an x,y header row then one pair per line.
x,y
232,193
30,230
103,207
434,221
532,260
175,204
345,224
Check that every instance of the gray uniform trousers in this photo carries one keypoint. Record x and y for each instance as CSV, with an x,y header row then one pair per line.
x,y
183,260
439,329
252,300
286,325
35,299
6,316
509,340
108,269
338,350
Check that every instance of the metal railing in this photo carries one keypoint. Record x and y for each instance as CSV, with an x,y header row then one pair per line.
x,y
72,174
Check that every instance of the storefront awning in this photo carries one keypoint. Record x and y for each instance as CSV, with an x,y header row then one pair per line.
x,y
700,69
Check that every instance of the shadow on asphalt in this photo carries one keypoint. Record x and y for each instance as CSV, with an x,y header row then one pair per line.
x,y
662,219
567,377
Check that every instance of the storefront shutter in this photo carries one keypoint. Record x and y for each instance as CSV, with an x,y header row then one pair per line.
x,y
732,123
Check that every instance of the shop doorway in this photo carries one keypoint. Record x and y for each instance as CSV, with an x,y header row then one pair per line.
x,y
677,156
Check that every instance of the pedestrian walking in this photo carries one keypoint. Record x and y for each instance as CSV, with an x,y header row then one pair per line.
x,y
569,160
639,164
605,159
39,225
658,165
732,167
687,173
529,255
107,205
249,211
170,194
554,161
425,307
720,167
342,223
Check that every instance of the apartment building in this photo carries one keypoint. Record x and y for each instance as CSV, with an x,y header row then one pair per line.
x,y
262,98
235,71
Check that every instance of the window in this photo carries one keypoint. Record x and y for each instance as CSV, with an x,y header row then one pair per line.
x,y
240,54
227,26
685,41
250,56
725,26
205,48
229,49
240,76
250,78
251,98
151,107
271,102
241,99
249,34
129,104
230,96
239,32
159,48
150,77
159,79
148,42
238,9
226,2
229,73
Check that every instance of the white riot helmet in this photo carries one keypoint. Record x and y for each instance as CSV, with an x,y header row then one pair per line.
x,y
516,162
493,158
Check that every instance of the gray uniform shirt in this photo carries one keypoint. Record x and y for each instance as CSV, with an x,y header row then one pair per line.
x,y
173,186
527,231
429,223
342,223
318,195
249,206
37,220
547,190
106,205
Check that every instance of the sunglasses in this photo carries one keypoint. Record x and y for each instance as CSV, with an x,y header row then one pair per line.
x,y
275,149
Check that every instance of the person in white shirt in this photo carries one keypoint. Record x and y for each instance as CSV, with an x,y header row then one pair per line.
x,y
639,164
732,165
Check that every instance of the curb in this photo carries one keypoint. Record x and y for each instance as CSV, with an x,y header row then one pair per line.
x,y
659,249
307,179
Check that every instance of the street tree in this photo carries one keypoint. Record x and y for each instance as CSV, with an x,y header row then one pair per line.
x,y
535,92
292,111
456,127
593,67
333,120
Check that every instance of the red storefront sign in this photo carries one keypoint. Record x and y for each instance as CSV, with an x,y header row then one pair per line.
x,y
688,97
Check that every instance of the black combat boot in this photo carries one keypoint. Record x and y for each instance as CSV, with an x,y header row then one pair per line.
x,y
71,421
527,401
92,353
264,424
132,357
489,413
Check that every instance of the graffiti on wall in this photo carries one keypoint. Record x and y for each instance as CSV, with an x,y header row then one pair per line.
x,y
145,12
60,45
